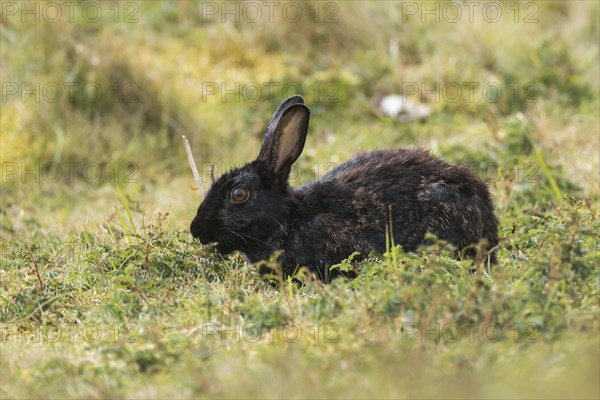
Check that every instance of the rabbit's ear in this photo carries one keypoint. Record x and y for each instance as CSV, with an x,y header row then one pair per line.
x,y
272,126
284,142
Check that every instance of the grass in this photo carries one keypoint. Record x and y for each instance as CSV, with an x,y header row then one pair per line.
x,y
104,294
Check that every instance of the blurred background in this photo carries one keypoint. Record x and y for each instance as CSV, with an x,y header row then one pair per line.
x,y
97,95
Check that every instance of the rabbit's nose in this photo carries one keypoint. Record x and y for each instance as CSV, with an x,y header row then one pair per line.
x,y
199,231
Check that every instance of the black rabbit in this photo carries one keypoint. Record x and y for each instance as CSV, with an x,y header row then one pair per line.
x,y
254,210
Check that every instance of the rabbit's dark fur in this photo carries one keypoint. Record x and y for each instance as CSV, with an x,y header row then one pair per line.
x,y
349,209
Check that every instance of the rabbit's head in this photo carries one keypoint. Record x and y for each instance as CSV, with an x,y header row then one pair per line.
x,y
245,207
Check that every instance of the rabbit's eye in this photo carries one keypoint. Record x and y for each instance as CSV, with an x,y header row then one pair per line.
x,y
239,194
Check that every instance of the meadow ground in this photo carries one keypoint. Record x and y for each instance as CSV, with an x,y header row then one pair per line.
x,y
104,294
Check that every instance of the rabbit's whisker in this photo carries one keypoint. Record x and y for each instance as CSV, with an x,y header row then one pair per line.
x,y
227,236
280,224
250,237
